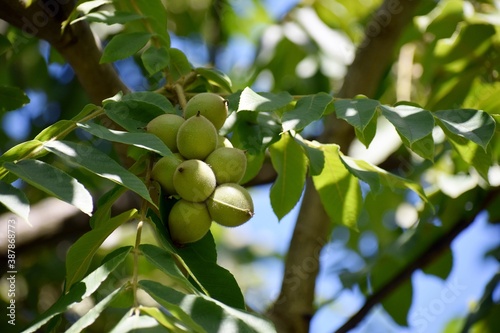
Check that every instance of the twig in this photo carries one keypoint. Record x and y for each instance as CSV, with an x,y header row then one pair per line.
x,y
180,95
432,252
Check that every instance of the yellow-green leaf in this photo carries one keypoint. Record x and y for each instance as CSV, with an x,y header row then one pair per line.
x,y
339,190
290,162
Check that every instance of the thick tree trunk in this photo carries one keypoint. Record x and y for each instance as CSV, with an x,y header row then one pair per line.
x,y
294,307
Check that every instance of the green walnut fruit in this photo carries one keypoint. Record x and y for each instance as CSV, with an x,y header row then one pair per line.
x,y
224,142
197,138
230,205
166,127
209,105
188,221
194,180
229,164
163,171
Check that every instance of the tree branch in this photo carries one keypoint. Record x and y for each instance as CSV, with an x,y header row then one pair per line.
x,y
76,43
294,307
430,254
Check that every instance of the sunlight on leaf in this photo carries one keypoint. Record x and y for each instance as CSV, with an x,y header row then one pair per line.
x,y
290,162
475,125
338,189
252,101
206,312
377,177
82,289
53,181
15,200
99,163
80,254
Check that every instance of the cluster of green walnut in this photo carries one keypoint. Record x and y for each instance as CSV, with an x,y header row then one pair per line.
x,y
204,171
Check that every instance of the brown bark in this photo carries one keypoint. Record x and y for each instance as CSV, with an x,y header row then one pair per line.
x,y
76,43
294,307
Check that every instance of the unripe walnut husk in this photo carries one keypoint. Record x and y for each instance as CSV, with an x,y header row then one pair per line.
x,y
188,221
224,142
210,105
163,172
166,127
194,180
197,138
229,164
230,205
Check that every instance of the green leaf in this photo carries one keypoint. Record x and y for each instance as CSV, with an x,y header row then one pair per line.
x,y
179,64
80,254
164,261
15,200
109,17
423,147
208,313
357,112
146,141
155,59
475,125
377,177
315,155
21,150
18,152
132,322
248,136
201,258
132,115
216,77
173,324
88,6
366,135
254,164
251,101
473,154
161,230
398,303
57,130
471,41
124,45
452,89
153,98
441,267
156,18
484,316
12,98
338,189
103,212
307,110
412,123
254,131
290,162
87,111
5,44
53,181
98,163
89,317
82,289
